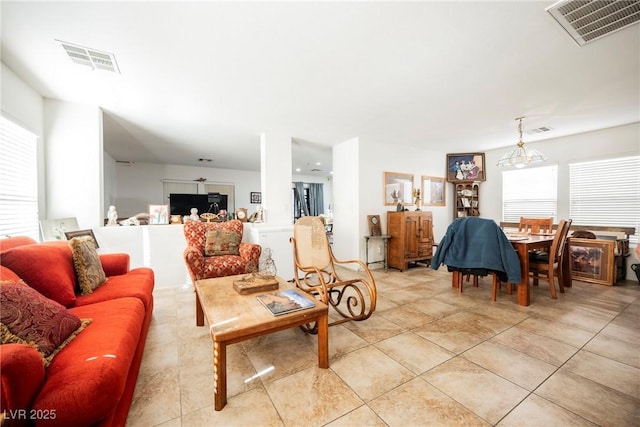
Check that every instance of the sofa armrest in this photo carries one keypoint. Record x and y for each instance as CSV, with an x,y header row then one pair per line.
x,y
115,264
250,252
22,373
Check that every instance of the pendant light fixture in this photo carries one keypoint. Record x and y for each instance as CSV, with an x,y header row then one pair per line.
x,y
521,156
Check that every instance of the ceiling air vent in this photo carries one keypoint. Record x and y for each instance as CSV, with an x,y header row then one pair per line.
x,y
91,57
539,130
587,21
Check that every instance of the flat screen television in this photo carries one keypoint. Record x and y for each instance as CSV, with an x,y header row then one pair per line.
x,y
181,204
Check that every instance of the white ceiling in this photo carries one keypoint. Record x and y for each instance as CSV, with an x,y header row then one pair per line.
x,y
205,79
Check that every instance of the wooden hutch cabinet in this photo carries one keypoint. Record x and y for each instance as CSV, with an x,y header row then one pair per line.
x,y
466,199
411,238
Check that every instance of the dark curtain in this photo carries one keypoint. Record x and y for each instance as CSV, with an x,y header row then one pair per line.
x,y
299,192
316,199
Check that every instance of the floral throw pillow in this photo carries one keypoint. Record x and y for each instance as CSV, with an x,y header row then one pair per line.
x,y
222,242
86,262
27,317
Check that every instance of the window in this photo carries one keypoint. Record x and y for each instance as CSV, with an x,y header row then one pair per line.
x,y
531,192
18,181
606,193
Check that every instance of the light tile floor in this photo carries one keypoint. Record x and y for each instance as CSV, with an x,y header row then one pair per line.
x,y
428,356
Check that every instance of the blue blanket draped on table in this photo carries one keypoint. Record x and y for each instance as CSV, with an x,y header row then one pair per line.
x,y
477,243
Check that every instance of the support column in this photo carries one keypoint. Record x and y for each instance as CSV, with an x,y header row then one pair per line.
x,y
275,176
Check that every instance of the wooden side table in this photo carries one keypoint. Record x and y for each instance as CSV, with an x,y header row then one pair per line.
x,y
385,239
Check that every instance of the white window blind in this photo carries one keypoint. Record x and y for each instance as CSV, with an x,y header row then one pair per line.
x,y
606,193
18,181
530,192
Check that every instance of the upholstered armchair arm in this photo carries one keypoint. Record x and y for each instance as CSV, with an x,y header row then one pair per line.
x,y
22,374
115,264
250,252
194,258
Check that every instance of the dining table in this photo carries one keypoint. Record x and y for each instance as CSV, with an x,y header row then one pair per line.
x,y
522,245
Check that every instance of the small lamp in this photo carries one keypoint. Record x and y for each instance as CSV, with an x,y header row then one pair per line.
x,y
521,156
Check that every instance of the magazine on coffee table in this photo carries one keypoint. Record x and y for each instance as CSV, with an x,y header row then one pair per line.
x,y
284,302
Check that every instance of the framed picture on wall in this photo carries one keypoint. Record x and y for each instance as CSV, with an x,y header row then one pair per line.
x,y
433,191
256,197
158,214
397,188
465,167
82,233
54,229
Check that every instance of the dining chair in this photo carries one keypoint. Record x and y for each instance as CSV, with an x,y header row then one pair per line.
x,y
478,247
548,265
462,274
535,225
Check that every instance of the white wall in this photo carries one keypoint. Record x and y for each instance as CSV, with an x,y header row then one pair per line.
x,y
347,192
605,143
73,154
110,181
275,178
375,158
140,184
613,142
24,106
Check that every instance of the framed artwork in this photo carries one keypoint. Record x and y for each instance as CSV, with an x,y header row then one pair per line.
x,y
397,188
433,191
592,260
82,233
256,197
374,225
158,214
465,167
54,229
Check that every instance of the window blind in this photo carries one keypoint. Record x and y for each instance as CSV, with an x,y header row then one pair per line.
x,y
531,192
18,181
606,193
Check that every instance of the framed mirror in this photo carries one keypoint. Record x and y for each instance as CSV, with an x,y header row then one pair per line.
x,y
398,188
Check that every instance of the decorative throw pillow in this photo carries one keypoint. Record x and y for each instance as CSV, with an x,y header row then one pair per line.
x,y
87,264
27,317
222,242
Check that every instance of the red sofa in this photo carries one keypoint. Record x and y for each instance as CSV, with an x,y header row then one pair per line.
x,y
91,381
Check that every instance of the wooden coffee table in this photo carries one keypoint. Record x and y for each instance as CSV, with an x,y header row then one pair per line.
x,y
233,318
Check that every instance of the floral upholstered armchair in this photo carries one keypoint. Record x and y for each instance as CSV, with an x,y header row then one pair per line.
x,y
215,249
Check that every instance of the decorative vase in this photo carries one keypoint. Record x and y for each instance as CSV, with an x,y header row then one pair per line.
x,y
267,267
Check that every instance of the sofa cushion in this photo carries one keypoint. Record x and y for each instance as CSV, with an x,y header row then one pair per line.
x,y
46,267
29,318
85,381
136,283
86,262
115,264
13,242
8,274
222,242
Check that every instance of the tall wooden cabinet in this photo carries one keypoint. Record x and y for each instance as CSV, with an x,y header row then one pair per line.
x,y
466,199
411,238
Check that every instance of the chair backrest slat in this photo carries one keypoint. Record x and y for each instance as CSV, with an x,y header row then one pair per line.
x,y
536,225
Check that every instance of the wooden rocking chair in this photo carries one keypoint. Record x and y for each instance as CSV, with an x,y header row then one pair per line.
x,y
315,273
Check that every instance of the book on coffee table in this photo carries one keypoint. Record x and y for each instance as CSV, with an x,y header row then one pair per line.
x,y
284,302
